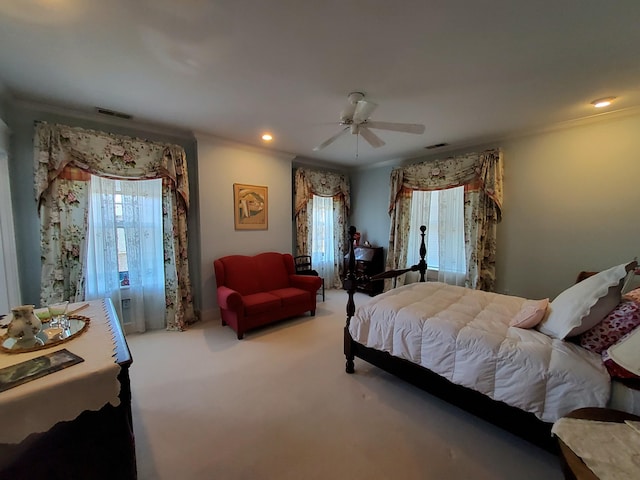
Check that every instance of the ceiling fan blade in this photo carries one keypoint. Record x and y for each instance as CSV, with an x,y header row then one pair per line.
x,y
363,111
397,127
374,140
331,140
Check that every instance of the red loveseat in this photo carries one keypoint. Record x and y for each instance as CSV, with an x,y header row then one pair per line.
x,y
261,289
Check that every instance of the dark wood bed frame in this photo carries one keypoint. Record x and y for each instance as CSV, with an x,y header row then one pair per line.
x,y
524,424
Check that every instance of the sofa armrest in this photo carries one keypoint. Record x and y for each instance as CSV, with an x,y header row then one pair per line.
x,y
229,299
306,282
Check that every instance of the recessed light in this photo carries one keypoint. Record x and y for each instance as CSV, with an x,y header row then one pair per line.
x,y
603,102
267,137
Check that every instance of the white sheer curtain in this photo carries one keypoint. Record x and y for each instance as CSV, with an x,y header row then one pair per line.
x,y
420,215
452,266
135,209
442,212
322,241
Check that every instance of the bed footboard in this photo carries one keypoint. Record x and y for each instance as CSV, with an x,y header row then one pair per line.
x,y
349,284
521,423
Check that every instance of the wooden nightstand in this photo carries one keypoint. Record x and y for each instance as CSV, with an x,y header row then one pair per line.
x,y
572,466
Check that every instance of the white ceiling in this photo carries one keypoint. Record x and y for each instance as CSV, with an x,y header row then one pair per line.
x,y
470,71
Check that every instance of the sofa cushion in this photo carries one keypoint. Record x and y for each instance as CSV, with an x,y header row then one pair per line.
x,y
271,271
291,296
260,302
240,274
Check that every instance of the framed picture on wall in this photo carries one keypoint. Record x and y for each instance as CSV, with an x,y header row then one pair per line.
x,y
251,205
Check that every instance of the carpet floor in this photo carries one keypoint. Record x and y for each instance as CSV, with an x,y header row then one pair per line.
x,y
279,405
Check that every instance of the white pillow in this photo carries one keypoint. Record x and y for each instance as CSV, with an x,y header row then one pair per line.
x,y
584,305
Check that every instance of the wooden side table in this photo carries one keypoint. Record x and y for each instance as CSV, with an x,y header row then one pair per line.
x,y
572,465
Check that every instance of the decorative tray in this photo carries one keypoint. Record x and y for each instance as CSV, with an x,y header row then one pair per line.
x,y
47,337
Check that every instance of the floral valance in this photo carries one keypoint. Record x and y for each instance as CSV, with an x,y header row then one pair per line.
x,y
484,168
104,154
324,184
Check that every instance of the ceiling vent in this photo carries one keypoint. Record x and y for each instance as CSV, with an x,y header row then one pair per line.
x,y
113,113
436,145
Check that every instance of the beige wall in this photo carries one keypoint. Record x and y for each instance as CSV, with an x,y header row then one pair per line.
x,y
571,204
221,164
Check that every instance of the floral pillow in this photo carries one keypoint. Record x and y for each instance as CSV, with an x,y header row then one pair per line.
x,y
633,295
620,321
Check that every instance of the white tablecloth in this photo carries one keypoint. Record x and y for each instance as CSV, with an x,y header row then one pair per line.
x,y
611,450
38,405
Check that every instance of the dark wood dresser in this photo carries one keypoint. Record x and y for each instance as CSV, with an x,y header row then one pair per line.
x,y
369,262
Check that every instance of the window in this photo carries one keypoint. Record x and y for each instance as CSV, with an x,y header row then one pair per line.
x,y
121,238
125,255
322,242
442,212
9,284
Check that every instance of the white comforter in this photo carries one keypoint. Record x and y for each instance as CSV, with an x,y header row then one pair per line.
x,y
464,336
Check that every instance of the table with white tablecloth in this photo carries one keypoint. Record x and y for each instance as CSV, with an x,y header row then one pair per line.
x,y
84,408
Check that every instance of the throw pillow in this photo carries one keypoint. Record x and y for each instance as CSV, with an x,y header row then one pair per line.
x,y
633,295
624,318
584,304
623,357
615,370
530,314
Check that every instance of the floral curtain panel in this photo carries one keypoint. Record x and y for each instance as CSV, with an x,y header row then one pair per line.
x,y
482,176
63,159
63,219
308,183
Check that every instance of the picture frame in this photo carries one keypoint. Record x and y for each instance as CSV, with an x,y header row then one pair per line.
x,y
250,206
35,368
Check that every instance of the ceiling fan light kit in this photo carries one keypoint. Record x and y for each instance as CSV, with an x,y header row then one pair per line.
x,y
355,119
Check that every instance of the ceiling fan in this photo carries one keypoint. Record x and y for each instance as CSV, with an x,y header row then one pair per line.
x,y
355,119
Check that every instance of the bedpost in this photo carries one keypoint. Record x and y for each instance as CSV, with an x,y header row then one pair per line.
x,y
422,265
349,284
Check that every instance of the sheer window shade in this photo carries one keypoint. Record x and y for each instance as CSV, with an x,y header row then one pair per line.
x,y
141,304
442,211
322,236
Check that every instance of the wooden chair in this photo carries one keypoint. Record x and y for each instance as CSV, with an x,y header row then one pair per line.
x,y
303,267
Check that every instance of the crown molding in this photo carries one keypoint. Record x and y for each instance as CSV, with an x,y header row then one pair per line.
x,y
208,137
482,143
102,119
300,161
574,123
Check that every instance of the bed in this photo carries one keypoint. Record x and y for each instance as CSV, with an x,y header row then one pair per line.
x,y
457,343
